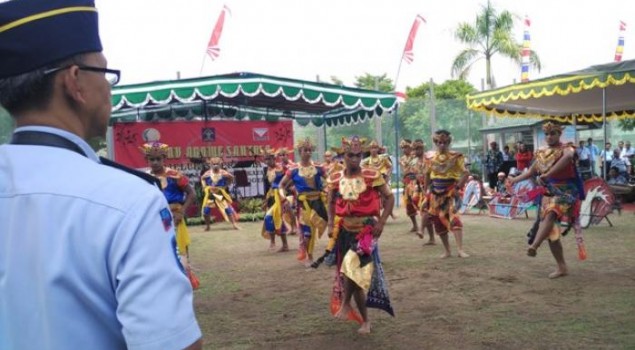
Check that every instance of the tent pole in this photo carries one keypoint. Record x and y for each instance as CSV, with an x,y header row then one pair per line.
x,y
396,122
604,127
326,146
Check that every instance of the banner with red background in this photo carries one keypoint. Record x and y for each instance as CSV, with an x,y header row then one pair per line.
x,y
238,140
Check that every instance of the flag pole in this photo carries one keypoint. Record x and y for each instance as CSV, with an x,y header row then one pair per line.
x,y
407,49
202,65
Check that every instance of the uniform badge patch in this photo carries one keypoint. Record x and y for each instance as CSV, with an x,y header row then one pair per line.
x,y
166,218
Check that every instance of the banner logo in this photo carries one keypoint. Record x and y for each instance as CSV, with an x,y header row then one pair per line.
x,y
260,134
208,134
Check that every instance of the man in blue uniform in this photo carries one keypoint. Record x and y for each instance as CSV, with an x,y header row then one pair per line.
x,y
87,250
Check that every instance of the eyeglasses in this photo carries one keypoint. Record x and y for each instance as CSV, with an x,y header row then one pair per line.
x,y
112,75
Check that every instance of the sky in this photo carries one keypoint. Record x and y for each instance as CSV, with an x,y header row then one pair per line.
x,y
151,40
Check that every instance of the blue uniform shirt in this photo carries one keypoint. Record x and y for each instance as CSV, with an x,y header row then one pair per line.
x,y
86,259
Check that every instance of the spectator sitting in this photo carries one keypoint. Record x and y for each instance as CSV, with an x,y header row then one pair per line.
x,y
615,178
622,164
500,187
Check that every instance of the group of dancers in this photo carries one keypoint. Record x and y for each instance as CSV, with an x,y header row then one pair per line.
x,y
349,197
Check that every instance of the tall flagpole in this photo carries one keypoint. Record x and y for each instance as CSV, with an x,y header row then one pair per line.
x,y
407,55
202,64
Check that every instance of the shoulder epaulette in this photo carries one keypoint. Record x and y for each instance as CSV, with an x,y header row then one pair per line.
x,y
370,173
140,174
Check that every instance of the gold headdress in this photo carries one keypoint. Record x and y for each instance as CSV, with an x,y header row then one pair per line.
x,y
283,151
267,151
155,148
354,145
328,154
404,144
373,144
305,143
215,161
442,136
417,144
551,126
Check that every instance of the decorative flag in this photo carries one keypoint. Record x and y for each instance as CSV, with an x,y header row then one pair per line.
x,y
524,73
620,42
401,97
213,50
408,54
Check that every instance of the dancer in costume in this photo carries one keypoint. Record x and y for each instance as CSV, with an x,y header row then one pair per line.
x,y
274,224
179,194
380,162
445,176
290,205
330,163
555,169
215,183
355,223
308,180
409,182
419,167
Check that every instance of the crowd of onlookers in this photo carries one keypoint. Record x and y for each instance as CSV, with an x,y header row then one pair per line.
x,y
591,161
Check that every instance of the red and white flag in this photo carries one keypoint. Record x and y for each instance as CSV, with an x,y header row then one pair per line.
x,y
408,54
213,48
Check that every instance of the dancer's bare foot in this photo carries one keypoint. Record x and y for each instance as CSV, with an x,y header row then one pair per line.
x,y
393,216
283,249
301,255
413,229
236,227
364,329
207,228
558,273
445,255
272,247
308,263
342,313
419,234
430,242
463,254
531,251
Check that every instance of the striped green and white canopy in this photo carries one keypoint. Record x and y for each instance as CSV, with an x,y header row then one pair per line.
x,y
248,96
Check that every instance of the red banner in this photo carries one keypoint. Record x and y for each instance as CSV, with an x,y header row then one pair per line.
x,y
237,140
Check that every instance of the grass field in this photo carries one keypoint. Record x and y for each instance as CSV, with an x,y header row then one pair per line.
x,y
498,298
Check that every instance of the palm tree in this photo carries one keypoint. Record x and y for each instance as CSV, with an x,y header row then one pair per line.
x,y
491,34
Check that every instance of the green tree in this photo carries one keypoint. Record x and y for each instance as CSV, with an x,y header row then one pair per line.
x,y
375,82
489,35
627,124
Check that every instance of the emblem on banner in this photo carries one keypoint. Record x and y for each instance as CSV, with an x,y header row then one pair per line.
x,y
260,134
208,134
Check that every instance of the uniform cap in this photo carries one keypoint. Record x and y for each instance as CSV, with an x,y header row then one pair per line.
x,y
36,33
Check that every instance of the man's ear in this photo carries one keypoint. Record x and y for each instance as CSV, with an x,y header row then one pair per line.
x,y
72,86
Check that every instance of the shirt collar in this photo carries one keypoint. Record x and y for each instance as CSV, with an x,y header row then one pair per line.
x,y
83,145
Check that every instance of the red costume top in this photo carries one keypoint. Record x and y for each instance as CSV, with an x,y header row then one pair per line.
x,y
357,196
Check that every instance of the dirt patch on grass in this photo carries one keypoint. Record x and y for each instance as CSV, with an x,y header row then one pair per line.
x,y
497,299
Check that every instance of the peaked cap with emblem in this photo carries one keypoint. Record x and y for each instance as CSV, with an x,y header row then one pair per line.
x,y
37,33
